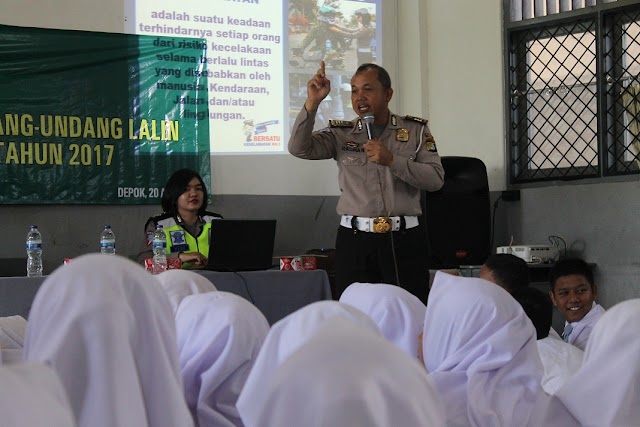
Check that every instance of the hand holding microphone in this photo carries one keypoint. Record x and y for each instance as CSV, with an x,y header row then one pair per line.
x,y
375,149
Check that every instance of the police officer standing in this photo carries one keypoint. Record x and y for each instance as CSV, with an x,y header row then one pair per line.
x,y
382,169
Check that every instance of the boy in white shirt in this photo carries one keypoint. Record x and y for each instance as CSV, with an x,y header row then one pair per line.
x,y
573,292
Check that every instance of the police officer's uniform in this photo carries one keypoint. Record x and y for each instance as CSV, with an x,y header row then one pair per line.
x,y
180,237
375,199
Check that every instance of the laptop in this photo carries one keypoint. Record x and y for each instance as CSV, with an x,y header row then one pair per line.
x,y
241,244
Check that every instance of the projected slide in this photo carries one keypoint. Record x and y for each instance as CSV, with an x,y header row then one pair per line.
x,y
259,56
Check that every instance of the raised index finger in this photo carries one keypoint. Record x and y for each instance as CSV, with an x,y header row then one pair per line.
x,y
321,71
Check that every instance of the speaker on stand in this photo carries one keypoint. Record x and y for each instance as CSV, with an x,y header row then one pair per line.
x,y
458,216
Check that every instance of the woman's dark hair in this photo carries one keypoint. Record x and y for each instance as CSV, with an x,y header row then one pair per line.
x,y
176,186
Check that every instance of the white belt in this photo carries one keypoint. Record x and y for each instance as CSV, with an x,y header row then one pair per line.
x,y
369,224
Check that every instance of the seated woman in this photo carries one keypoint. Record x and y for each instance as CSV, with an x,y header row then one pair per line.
x,y
185,220
347,375
106,327
398,313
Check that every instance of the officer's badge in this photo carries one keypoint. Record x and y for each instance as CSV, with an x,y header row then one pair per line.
x,y
417,119
351,145
340,123
178,241
177,237
430,142
402,135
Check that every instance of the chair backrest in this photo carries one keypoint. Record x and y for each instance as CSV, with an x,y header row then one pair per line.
x,y
458,217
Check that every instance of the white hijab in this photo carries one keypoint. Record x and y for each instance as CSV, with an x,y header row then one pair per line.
x,y
348,376
398,313
106,327
286,336
12,332
181,283
219,337
605,391
480,350
31,395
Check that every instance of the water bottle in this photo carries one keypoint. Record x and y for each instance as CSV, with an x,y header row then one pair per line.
x,y
34,252
159,250
108,241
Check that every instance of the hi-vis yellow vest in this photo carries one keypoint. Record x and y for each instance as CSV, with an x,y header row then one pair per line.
x,y
179,240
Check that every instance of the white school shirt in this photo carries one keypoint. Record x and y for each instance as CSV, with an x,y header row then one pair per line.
x,y
105,326
398,313
31,395
348,376
582,329
480,350
219,337
605,391
285,337
179,284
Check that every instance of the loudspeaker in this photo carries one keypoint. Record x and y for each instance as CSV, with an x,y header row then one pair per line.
x,y
458,216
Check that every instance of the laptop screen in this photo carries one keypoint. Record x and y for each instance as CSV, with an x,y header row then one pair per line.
x,y
241,244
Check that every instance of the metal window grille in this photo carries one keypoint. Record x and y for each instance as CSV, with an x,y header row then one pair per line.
x,y
566,79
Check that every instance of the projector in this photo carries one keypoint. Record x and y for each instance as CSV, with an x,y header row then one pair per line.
x,y
531,253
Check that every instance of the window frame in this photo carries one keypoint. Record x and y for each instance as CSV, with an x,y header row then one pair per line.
x,y
518,172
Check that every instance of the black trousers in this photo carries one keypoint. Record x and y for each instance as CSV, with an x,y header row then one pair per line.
x,y
369,257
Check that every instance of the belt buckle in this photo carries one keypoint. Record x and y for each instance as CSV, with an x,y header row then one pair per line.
x,y
381,224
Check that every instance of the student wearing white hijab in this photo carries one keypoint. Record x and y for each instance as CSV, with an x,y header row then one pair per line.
x,y
605,391
32,395
480,351
179,284
219,337
106,327
12,332
560,360
398,313
286,336
348,376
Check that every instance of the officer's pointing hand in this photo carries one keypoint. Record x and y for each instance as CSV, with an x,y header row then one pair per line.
x,y
317,89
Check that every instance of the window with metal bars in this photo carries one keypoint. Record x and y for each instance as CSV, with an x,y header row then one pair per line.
x,y
574,94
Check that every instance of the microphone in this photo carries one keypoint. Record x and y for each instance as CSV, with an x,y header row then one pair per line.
x,y
368,121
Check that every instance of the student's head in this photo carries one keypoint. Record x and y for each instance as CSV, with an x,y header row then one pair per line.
x,y
573,290
185,191
538,307
371,92
507,271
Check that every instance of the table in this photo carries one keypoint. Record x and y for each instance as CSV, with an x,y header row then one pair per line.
x,y
276,293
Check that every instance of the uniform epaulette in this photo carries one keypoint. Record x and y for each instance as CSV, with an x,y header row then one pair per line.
x,y
340,123
417,119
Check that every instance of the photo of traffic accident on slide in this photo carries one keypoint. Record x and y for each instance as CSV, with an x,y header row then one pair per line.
x,y
340,33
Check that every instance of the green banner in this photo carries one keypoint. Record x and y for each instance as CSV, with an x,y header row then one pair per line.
x,y
99,118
